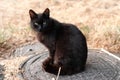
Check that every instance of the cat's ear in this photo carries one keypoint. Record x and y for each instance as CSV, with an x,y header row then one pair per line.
x,y
46,13
32,14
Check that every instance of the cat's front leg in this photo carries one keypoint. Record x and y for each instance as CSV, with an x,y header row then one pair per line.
x,y
49,67
47,62
50,59
51,55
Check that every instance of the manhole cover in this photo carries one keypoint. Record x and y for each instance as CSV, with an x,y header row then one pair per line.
x,y
100,66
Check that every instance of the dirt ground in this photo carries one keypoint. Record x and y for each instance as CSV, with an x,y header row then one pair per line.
x,y
98,19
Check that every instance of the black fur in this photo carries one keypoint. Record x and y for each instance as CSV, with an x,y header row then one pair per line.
x,y
66,44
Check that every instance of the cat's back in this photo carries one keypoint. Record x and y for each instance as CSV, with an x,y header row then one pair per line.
x,y
71,42
70,35
72,31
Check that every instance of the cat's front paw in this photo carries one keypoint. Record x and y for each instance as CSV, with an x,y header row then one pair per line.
x,y
47,63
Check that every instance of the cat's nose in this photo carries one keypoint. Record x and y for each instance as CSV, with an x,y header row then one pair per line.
x,y
39,27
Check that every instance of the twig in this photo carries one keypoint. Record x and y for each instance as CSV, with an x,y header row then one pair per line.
x,y
58,73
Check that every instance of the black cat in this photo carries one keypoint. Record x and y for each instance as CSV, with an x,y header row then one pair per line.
x,y
66,44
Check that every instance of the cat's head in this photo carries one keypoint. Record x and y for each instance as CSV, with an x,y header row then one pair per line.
x,y
40,22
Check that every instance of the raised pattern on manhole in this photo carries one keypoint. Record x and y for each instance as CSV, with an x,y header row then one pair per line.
x,y
99,67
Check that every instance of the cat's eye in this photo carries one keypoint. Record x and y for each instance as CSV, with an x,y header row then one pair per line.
x,y
44,23
36,24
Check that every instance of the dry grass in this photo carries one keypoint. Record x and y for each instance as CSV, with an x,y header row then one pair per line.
x,y
11,67
100,20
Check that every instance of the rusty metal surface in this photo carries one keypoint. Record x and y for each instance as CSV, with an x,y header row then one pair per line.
x,y
100,66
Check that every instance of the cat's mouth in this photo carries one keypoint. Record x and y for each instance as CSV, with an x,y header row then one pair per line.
x,y
37,28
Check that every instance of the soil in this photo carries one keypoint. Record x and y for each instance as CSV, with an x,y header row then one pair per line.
x,y
20,43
